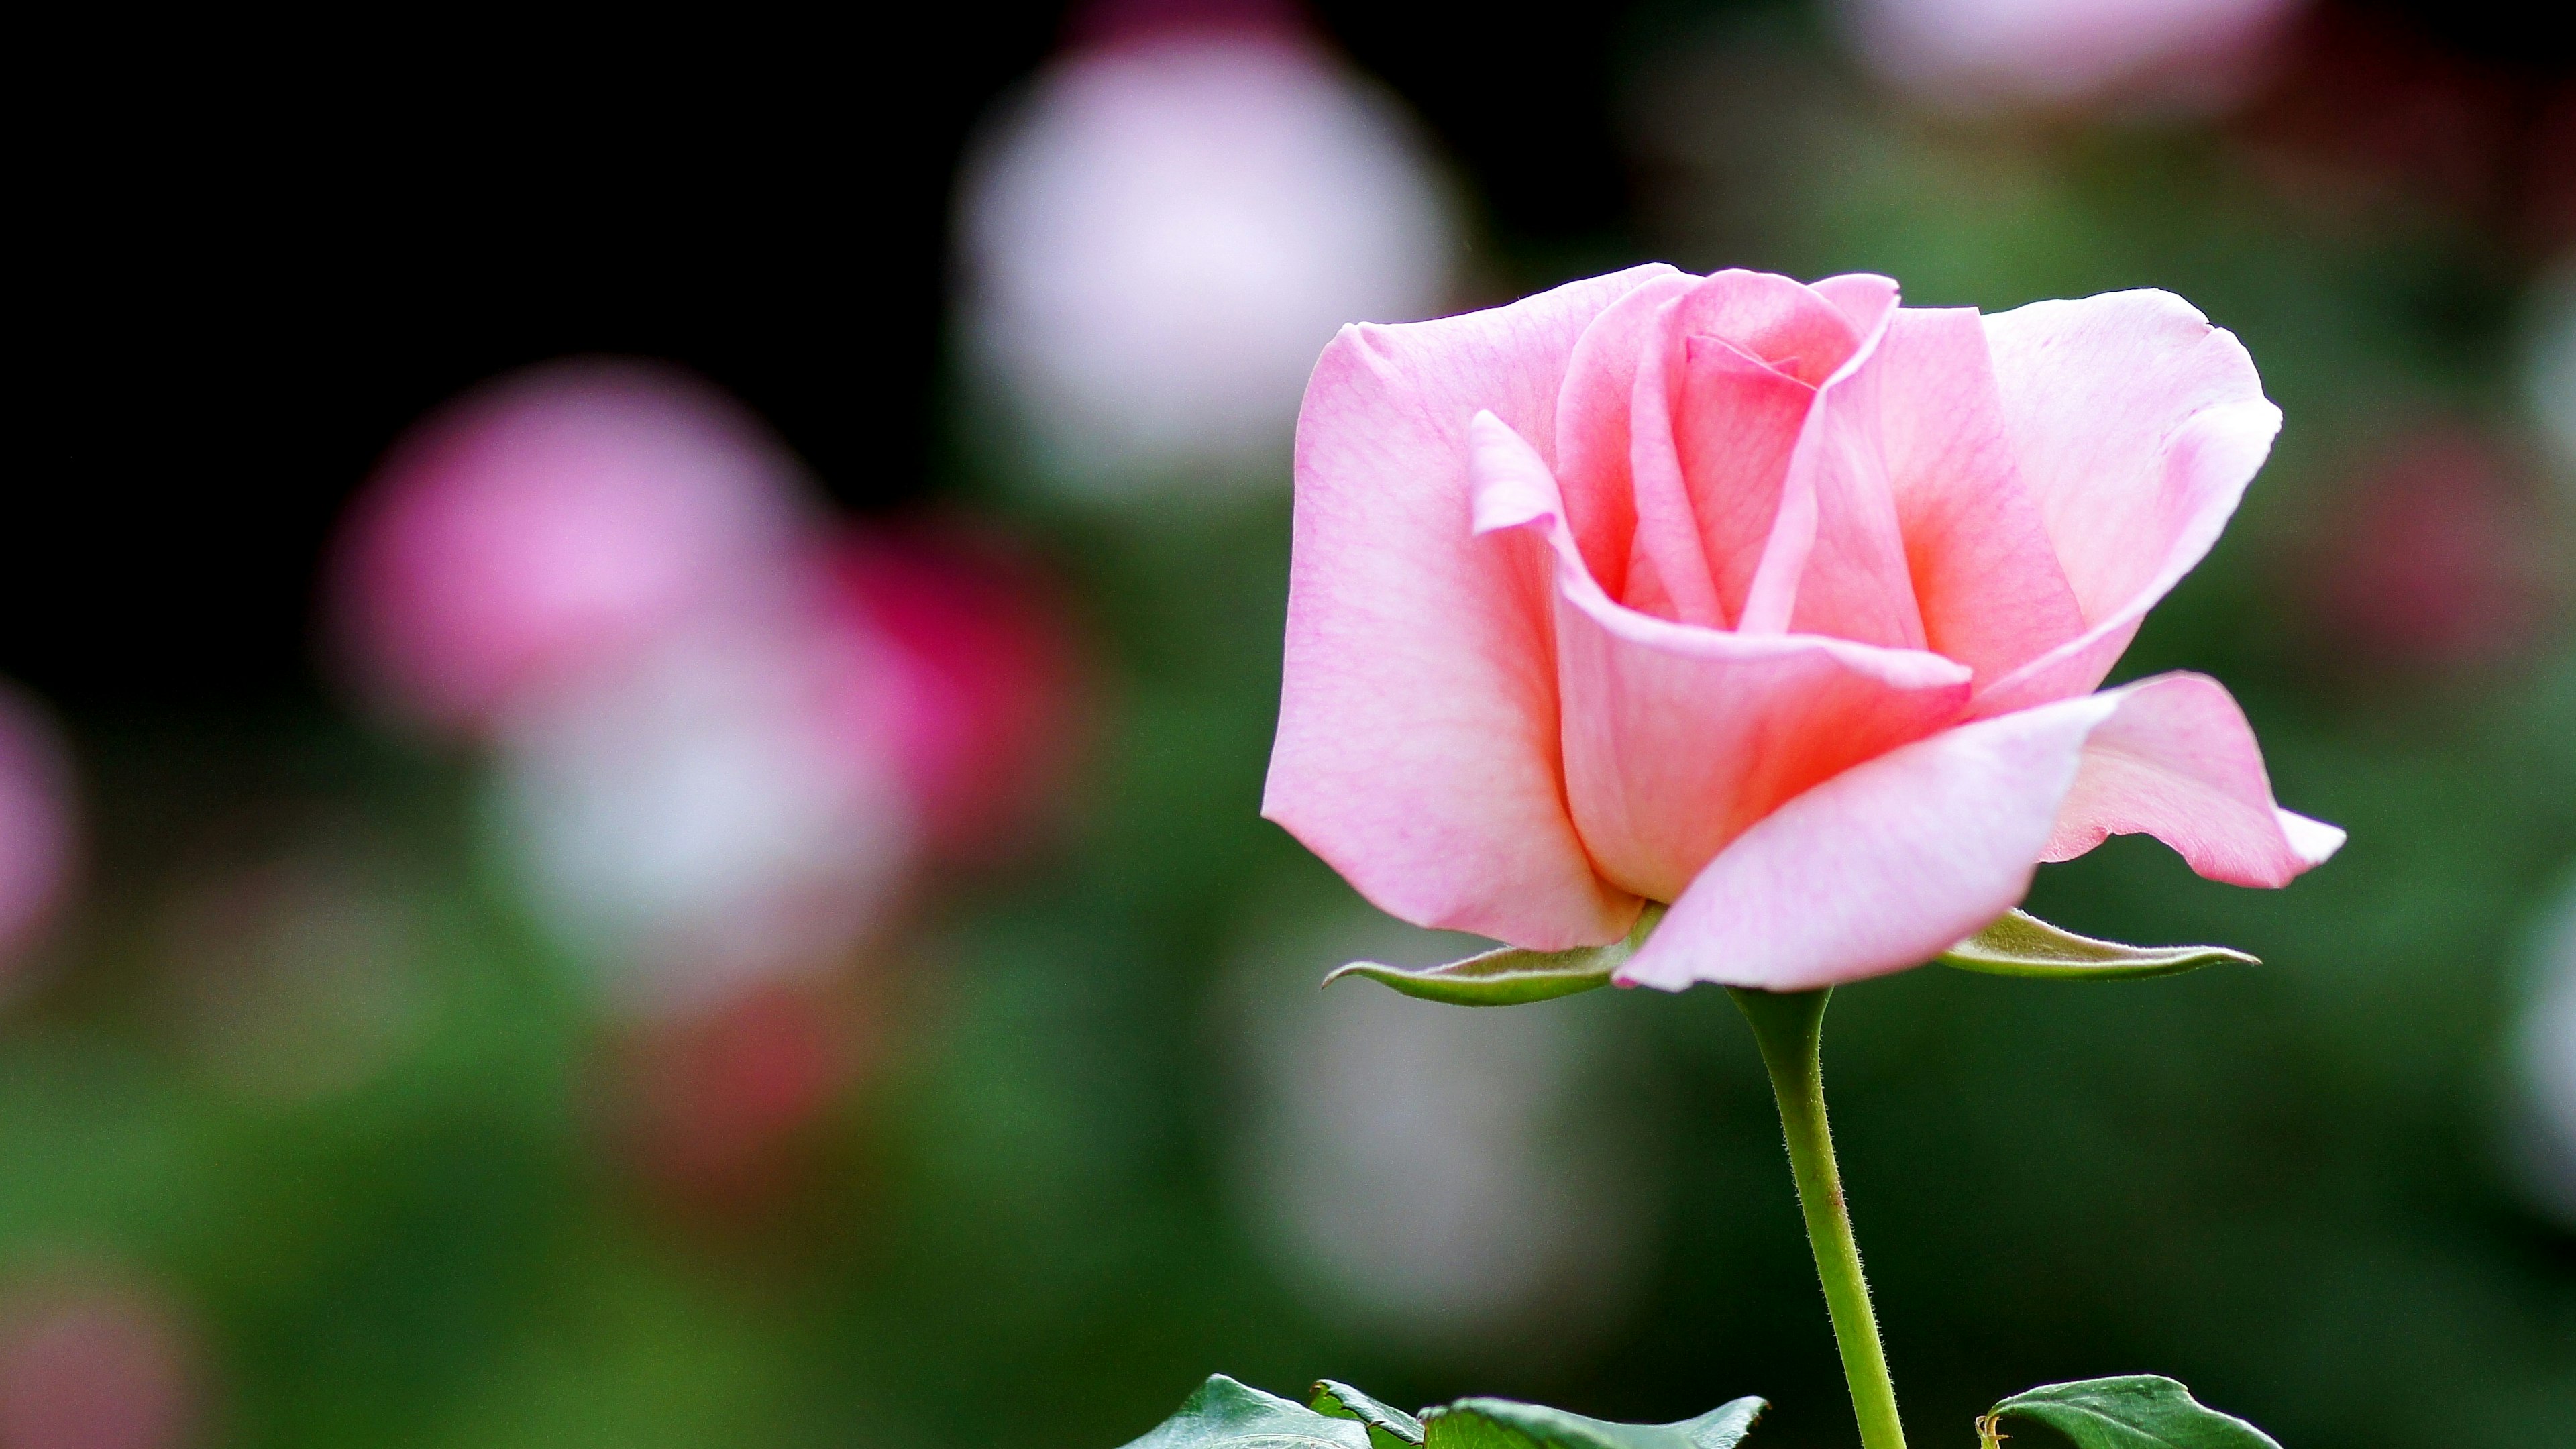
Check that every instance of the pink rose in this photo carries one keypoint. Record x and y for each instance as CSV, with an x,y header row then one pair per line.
x,y
1779,603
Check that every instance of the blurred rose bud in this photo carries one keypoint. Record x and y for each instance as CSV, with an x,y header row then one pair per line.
x,y
703,815
92,1365
547,523
2197,56
1168,227
713,1104
981,686
37,823
2443,558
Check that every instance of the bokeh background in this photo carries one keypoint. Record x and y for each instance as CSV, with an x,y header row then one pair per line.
x,y
640,659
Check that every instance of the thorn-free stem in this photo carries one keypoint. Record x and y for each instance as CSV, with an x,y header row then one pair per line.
x,y
1790,1028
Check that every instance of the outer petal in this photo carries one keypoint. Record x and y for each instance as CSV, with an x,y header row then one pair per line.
x,y
1678,738
1417,748
1887,864
2137,426
2179,762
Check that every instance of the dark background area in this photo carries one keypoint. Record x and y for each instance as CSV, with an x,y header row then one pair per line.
x,y
259,257
252,271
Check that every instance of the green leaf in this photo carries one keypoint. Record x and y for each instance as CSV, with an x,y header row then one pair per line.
x,y
1228,1414
1388,1428
1510,976
2137,1411
2024,945
1503,1424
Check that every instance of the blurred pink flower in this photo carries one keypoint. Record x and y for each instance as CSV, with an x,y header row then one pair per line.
x,y
91,1365
1167,227
2443,558
1779,603
37,821
713,1104
2194,55
547,522
981,680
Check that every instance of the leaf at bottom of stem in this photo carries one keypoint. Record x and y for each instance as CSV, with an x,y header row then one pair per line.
x,y
1508,975
1505,1424
2022,944
2135,1411
1388,1428
1224,1414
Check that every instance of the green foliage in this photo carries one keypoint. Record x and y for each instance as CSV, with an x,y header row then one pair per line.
x,y
1503,1424
1224,1414
1510,976
1228,1414
2134,1411
1388,1427
2022,944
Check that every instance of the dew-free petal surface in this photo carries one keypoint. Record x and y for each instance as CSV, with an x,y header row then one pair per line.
x,y
1417,747
1886,865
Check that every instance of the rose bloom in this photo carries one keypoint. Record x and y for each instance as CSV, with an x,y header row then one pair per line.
x,y
1779,603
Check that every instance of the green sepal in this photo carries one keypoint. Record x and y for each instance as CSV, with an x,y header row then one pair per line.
x,y
1509,976
1388,1427
2135,1411
1224,1414
1504,1424
2022,944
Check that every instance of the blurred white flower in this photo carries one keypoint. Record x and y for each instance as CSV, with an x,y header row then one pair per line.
x,y
2174,55
719,810
1431,1169
1166,230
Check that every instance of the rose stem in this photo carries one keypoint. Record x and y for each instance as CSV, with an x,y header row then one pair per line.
x,y
1790,1028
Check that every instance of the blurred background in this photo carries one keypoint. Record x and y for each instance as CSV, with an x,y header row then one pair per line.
x,y
639,661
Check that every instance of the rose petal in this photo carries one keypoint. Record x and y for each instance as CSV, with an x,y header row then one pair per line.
x,y
1417,748
2180,763
1592,429
1835,559
1985,573
1886,865
2137,426
1678,738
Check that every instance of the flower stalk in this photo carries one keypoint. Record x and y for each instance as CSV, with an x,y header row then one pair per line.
x,y
1789,1026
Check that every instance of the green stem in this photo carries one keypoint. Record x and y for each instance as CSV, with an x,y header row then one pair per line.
x,y
1790,1027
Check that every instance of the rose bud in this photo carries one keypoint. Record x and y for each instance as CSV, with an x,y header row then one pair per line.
x,y
1782,604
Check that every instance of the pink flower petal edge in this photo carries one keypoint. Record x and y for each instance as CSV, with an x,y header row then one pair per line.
x,y
1885,866
1417,749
